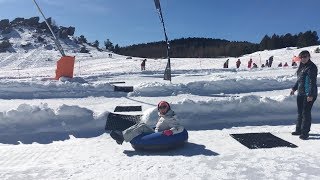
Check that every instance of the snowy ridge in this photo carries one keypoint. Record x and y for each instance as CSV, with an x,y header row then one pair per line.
x,y
194,115
53,89
79,87
207,88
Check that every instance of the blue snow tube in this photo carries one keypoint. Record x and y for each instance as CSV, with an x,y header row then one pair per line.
x,y
158,141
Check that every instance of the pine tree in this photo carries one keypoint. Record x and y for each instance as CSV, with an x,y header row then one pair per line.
x,y
82,39
264,44
109,45
116,48
96,43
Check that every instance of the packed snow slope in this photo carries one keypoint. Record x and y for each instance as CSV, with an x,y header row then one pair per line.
x,y
55,129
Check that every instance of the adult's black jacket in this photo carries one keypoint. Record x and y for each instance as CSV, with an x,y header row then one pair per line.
x,y
307,80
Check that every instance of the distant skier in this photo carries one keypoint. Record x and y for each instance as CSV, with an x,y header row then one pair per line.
x,y
167,124
238,63
280,64
143,65
267,63
285,64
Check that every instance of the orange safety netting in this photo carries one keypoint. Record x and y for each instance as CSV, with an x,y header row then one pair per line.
x,y
65,67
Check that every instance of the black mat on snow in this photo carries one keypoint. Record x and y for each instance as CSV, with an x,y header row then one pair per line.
x,y
117,82
261,140
121,122
123,88
127,108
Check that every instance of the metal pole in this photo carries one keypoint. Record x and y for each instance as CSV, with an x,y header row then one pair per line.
x,y
260,60
167,73
56,41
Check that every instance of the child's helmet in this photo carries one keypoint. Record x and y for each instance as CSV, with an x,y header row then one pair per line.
x,y
164,105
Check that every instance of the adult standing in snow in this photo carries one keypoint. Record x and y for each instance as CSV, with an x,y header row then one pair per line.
x,y
238,63
307,94
270,61
143,65
226,64
167,124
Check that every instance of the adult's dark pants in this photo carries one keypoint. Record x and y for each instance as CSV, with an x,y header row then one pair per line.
x,y
303,123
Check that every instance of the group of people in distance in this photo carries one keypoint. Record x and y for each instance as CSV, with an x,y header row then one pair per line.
x,y
252,64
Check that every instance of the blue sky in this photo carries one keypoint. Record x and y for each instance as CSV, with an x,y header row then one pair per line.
x,y
127,22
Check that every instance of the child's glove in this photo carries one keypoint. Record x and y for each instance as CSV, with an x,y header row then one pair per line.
x,y
167,132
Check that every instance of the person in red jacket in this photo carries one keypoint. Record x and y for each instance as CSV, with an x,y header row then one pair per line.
x,y
250,63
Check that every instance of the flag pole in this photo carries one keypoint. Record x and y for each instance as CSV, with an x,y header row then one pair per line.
x,y
167,72
56,41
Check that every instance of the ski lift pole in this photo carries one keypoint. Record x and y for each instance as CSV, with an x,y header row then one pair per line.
x,y
167,73
56,41
260,59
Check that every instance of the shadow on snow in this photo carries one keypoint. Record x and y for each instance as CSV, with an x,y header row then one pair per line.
x,y
188,150
46,137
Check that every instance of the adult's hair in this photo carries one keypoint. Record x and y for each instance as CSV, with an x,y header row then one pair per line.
x,y
304,53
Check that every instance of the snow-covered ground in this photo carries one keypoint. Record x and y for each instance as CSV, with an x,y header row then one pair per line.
x,y
55,129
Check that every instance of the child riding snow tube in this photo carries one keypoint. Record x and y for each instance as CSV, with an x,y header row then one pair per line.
x,y
157,141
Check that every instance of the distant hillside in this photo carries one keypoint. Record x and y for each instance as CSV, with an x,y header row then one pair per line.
x,y
23,34
208,47
26,34
190,47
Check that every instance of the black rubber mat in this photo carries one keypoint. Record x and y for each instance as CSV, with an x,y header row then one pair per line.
x,y
261,140
118,82
121,122
123,88
127,108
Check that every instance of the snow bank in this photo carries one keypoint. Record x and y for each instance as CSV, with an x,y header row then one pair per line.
x,y
232,86
235,111
27,119
31,120
53,89
194,115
